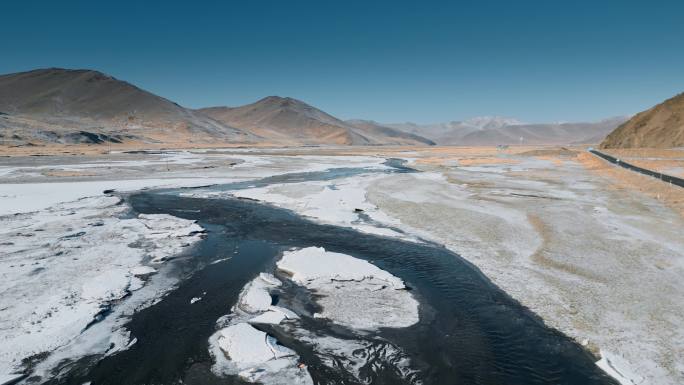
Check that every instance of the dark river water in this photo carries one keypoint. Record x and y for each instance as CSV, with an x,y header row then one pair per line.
x,y
470,331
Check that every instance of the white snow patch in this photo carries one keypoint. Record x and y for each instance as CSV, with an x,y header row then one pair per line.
x,y
269,317
245,345
28,197
340,203
618,368
316,264
61,266
106,286
9,378
141,271
255,296
255,356
352,292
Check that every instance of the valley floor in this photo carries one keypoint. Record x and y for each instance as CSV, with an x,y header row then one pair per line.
x,y
556,230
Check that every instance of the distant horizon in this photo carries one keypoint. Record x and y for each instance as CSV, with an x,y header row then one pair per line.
x,y
536,61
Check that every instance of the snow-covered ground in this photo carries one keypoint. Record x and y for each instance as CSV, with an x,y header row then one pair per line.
x,y
23,190
604,266
63,267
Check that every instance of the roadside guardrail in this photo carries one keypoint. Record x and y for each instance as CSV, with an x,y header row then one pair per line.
x,y
664,177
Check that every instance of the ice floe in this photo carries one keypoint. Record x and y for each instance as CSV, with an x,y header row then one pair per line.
x,y
255,297
247,346
241,349
351,291
315,264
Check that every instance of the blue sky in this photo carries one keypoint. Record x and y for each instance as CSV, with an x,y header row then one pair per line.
x,y
422,61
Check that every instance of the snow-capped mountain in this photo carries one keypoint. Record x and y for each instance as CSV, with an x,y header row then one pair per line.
x,y
494,130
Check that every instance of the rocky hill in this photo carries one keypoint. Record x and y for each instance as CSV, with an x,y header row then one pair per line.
x,y
659,127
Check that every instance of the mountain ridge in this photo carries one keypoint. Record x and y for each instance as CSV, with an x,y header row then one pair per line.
x,y
70,101
506,131
277,117
57,105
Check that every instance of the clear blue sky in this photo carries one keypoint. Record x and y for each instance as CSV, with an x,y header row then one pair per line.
x,y
390,61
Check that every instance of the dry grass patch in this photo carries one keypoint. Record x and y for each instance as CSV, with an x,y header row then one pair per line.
x,y
550,152
542,258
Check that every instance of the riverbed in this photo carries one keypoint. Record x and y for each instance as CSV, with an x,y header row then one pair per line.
x,y
466,235
469,332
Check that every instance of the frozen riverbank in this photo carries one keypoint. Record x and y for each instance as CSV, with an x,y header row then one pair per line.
x,y
603,266
22,186
63,268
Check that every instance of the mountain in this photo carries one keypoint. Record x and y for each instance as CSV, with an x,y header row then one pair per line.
x,y
85,106
64,105
290,121
488,131
659,127
449,132
378,133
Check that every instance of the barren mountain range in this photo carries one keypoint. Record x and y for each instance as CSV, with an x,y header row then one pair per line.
x,y
72,106
659,127
497,130
84,106
289,120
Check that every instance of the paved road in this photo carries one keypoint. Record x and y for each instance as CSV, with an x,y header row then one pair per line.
x,y
664,177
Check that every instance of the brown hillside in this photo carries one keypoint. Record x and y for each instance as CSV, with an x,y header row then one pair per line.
x,y
62,105
659,127
288,120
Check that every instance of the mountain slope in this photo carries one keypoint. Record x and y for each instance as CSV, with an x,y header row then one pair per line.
x,y
379,132
71,101
452,132
489,131
659,127
291,121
